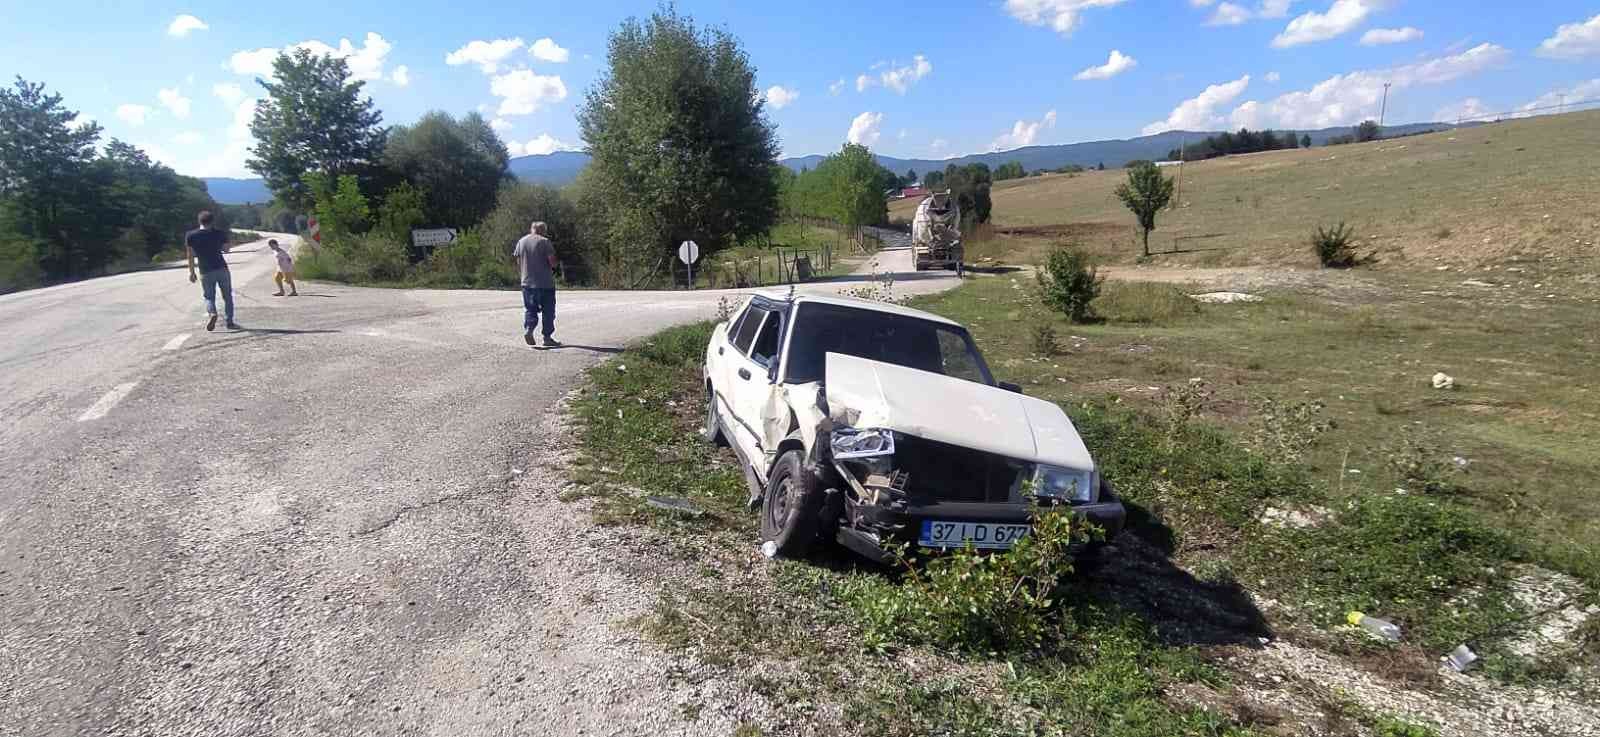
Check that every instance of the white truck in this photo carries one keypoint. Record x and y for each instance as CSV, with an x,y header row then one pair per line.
x,y
936,233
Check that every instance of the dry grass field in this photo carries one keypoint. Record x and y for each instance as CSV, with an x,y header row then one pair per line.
x,y
1517,190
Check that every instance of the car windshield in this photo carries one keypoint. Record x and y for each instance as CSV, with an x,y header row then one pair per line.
x,y
912,342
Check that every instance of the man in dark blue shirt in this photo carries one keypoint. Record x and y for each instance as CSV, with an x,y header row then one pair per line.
x,y
207,246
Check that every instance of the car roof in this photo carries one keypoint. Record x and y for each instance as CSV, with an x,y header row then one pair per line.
x,y
857,303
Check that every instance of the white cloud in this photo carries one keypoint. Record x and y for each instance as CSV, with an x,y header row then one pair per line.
x,y
939,144
779,97
1273,77
1202,3
228,92
401,76
189,138
1116,64
522,92
865,129
184,25
1573,41
837,87
1552,101
257,63
174,101
133,115
1381,36
1023,133
545,49
1247,115
900,79
1201,112
486,54
1060,15
1229,14
902,134
1347,99
83,121
543,144
1342,17
196,158
500,124
365,62
1471,108
1274,8
863,82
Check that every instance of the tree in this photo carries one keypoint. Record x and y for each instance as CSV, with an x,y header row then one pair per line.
x,y
312,120
1305,141
1009,170
1367,131
911,177
53,203
153,204
970,186
460,164
933,180
341,209
1145,193
680,145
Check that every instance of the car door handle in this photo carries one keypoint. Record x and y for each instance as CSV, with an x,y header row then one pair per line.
x,y
744,373
719,350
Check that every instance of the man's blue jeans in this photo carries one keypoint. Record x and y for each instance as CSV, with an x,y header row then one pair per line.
x,y
210,282
536,300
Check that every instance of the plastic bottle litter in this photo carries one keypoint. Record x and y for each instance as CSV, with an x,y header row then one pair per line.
x,y
1460,659
1381,628
769,549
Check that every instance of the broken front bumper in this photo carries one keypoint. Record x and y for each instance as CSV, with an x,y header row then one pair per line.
x,y
874,524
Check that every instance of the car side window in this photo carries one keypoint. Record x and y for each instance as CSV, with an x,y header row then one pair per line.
x,y
765,349
957,358
747,329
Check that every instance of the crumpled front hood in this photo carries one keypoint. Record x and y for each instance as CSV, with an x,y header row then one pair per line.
x,y
863,393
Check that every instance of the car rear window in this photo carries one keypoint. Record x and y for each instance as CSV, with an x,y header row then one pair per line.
x,y
820,329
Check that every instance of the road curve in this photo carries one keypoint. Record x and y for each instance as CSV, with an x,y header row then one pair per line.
x,y
303,527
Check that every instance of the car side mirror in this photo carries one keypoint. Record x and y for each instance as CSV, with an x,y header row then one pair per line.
x,y
1010,387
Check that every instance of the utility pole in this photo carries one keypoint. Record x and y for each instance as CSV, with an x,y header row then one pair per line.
x,y
1183,145
1383,110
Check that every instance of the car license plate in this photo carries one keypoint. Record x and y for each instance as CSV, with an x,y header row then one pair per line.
x,y
938,534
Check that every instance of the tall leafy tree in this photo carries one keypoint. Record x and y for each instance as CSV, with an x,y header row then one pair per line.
x,y
680,144
460,164
1145,193
52,199
159,204
313,119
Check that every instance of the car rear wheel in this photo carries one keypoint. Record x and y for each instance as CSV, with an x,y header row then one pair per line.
x,y
789,513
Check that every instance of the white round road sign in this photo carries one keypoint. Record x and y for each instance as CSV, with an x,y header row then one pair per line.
x,y
689,252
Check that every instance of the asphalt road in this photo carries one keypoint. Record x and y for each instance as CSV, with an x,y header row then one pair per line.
x,y
305,527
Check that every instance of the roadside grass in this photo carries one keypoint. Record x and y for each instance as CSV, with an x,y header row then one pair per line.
x,y
1467,196
1410,536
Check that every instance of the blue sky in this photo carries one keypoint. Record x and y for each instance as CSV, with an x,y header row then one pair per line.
x,y
924,79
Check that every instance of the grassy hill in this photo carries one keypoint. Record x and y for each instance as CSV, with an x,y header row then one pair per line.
x,y
1486,194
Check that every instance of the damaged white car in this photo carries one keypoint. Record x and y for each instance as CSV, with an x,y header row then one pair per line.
x,y
865,422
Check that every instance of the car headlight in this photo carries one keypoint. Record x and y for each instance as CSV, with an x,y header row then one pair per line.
x,y
1066,484
848,442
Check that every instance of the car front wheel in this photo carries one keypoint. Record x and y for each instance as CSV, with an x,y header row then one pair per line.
x,y
712,429
789,513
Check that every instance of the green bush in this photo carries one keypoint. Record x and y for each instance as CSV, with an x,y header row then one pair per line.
x,y
402,210
1335,247
518,206
1042,340
1069,283
1144,303
976,601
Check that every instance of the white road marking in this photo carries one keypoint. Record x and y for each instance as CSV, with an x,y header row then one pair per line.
x,y
107,402
175,343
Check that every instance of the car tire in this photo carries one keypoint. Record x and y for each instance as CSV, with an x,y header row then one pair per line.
x,y
711,429
791,507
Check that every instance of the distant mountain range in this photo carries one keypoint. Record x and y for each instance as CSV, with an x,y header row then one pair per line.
x,y
562,167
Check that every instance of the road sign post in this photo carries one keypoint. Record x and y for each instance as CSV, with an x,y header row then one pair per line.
x,y
688,253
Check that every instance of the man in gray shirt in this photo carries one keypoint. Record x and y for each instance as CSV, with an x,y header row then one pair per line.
x,y
536,255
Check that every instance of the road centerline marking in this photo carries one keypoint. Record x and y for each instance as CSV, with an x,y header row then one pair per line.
x,y
110,400
175,343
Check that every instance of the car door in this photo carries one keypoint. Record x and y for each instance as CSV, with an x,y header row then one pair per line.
x,y
737,377
720,358
751,357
